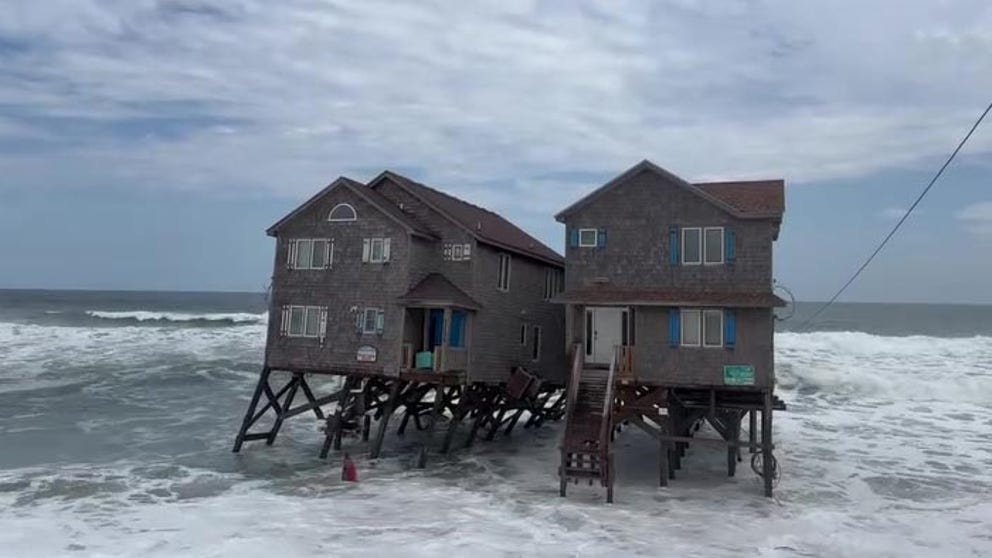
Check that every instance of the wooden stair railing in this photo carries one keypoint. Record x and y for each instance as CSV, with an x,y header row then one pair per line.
x,y
586,451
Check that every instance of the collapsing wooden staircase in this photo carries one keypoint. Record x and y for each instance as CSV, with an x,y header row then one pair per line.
x,y
586,452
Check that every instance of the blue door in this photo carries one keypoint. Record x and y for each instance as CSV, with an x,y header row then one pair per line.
x,y
435,334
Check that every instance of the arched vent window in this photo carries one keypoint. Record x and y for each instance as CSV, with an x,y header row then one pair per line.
x,y
342,212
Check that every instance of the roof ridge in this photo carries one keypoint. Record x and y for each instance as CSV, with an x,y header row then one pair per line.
x,y
745,181
443,193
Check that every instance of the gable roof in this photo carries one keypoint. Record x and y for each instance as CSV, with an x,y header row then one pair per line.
x,y
436,289
374,198
484,225
759,199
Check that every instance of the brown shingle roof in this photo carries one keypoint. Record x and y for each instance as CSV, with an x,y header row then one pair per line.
x,y
487,226
669,297
436,289
759,199
754,197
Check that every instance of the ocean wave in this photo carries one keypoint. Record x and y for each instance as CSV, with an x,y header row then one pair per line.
x,y
40,357
178,317
909,368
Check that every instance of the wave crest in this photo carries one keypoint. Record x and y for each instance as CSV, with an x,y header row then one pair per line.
x,y
178,317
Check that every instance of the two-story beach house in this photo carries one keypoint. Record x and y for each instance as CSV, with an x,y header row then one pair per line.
x,y
394,280
669,308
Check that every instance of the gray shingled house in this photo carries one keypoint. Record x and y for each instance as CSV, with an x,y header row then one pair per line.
x,y
394,280
669,305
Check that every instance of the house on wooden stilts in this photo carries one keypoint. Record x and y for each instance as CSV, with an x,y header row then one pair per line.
x,y
669,319
425,305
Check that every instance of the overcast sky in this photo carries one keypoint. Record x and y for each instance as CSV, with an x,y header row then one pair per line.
x,y
148,144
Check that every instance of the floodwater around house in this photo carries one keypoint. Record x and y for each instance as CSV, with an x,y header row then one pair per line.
x,y
118,410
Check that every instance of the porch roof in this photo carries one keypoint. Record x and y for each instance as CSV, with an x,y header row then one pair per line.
x,y
605,295
437,290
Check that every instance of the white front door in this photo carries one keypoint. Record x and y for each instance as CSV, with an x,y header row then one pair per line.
x,y
604,325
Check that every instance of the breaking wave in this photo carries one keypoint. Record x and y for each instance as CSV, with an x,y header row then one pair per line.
x,y
141,316
910,368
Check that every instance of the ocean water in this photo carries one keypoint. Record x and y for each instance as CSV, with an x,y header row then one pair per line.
x,y
118,411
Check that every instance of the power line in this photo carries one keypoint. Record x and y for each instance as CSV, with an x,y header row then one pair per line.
x,y
901,221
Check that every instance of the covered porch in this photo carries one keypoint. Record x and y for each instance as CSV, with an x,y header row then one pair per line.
x,y
437,328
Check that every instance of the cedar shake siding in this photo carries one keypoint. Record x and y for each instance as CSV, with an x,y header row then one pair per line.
x,y
632,266
504,312
348,284
637,217
423,226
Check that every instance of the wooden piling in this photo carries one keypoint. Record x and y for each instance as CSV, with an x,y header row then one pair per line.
x,y
387,412
767,464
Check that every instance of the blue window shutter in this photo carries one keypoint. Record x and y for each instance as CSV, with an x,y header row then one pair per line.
x,y
573,240
601,239
730,328
674,332
673,245
730,246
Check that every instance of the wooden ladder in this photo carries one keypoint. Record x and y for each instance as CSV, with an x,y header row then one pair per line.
x,y
586,452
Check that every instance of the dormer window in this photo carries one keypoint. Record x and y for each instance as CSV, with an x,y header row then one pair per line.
x,y
342,212
457,252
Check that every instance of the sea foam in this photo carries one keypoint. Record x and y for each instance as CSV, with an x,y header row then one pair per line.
x,y
179,317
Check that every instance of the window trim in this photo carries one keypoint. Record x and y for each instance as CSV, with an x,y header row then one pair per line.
x,y
535,351
294,252
701,255
553,280
722,245
288,315
595,238
683,323
382,250
719,328
503,280
375,322
354,214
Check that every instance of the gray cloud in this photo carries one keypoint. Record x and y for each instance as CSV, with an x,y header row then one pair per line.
x,y
485,98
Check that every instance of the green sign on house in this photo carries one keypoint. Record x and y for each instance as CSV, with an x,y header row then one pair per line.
x,y
738,375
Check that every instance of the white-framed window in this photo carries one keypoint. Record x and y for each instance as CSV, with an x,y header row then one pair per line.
x,y
375,250
554,281
713,245
692,246
523,335
342,212
304,321
310,253
701,328
712,328
457,252
691,328
372,320
535,350
588,238
503,274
